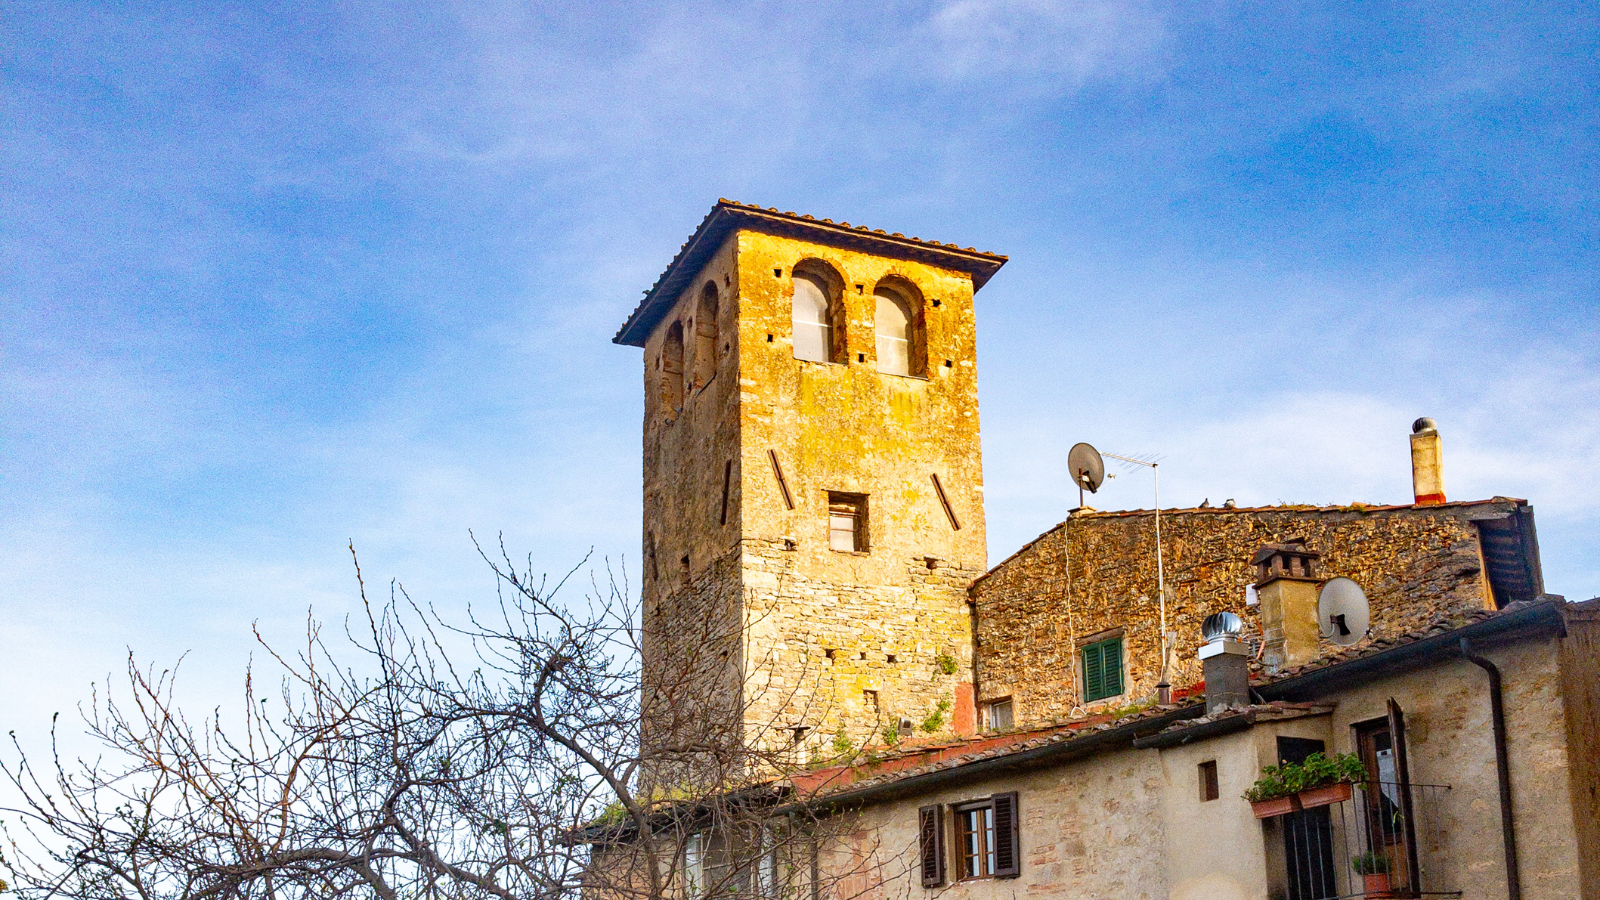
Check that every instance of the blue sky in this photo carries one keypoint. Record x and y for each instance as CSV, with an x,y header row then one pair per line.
x,y
279,277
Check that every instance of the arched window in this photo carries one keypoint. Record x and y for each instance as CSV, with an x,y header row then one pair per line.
x,y
813,323
705,336
672,371
893,325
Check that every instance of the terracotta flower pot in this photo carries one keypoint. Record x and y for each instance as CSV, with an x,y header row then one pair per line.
x,y
1377,885
1277,806
1323,796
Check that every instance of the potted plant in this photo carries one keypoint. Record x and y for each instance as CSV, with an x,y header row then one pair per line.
x,y
1373,867
1324,780
1272,794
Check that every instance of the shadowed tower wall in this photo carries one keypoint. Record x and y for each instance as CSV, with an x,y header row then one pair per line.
x,y
803,576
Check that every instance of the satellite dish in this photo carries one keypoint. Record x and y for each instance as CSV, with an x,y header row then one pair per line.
x,y
1087,468
1342,611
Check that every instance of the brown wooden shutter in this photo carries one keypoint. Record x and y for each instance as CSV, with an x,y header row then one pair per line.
x,y
930,838
1007,843
1402,773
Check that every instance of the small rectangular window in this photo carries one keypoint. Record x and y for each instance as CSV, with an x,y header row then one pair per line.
x,y
869,699
997,714
987,838
1102,670
1208,780
847,514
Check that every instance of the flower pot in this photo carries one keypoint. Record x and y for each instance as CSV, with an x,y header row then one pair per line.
x,y
1323,796
1377,885
1277,806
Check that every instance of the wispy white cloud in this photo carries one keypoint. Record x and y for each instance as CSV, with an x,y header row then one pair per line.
x,y
1064,43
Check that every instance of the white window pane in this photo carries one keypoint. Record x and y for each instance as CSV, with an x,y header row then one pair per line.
x,y
894,356
813,334
842,539
812,341
892,325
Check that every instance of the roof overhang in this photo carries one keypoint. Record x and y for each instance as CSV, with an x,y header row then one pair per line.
x,y
729,216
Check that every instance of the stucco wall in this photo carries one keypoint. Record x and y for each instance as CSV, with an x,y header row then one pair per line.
x,y
1130,823
1580,688
1413,563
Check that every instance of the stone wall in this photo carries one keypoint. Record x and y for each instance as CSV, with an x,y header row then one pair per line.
x,y
1033,610
710,490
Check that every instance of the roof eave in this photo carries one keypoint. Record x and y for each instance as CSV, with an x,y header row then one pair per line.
x,y
728,215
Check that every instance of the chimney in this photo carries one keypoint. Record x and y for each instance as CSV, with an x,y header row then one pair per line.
x,y
1286,588
1225,663
1427,463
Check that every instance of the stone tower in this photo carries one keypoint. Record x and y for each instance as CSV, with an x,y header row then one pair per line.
x,y
813,485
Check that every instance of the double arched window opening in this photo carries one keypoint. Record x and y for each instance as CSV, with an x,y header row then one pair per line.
x,y
899,347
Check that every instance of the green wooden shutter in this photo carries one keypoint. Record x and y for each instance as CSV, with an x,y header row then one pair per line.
x,y
1111,663
1102,670
1093,674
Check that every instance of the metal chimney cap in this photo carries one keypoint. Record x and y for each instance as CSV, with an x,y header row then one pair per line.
x,y
1221,626
1424,424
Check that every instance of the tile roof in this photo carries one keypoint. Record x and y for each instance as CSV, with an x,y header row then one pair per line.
x,y
727,215
1362,508
951,755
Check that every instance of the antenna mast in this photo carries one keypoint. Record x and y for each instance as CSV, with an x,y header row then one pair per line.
x,y
1163,688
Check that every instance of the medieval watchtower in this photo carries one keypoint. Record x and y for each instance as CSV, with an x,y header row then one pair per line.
x,y
813,486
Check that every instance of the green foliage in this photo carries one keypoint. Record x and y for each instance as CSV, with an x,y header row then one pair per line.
x,y
1270,786
947,663
1370,863
935,719
1317,771
842,744
891,735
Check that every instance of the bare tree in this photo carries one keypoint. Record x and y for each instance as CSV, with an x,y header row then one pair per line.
x,y
498,757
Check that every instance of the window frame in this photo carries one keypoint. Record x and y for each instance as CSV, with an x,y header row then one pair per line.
x,y
1099,644
989,708
842,504
998,838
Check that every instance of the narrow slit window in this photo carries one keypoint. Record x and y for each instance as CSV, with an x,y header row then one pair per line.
x,y
847,515
1208,781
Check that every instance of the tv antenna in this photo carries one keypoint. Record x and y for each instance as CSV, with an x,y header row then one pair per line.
x,y
1088,469
1163,688
1343,611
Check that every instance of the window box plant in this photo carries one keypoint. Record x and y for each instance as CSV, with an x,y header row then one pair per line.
x,y
1373,867
1272,795
1325,780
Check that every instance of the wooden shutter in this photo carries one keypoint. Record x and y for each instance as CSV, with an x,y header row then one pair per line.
x,y
1402,773
930,840
1111,662
1094,676
1007,846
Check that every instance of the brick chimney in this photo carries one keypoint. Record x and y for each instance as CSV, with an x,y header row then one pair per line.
x,y
1286,588
1427,463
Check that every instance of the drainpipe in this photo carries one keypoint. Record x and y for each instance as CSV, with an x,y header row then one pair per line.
x,y
1508,830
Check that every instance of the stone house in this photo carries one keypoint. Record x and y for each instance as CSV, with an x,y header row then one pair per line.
x,y
816,587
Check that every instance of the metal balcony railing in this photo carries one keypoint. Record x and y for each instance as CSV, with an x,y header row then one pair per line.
x,y
1382,826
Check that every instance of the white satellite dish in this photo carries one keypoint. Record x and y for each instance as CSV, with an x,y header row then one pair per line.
x,y
1342,611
